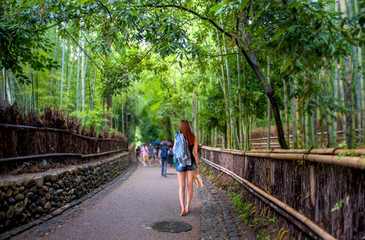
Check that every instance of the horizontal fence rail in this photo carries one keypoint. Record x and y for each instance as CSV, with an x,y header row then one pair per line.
x,y
24,127
261,142
57,155
318,191
18,141
327,156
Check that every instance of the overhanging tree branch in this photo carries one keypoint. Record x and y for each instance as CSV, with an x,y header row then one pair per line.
x,y
111,17
73,39
251,60
222,55
168,91
194,13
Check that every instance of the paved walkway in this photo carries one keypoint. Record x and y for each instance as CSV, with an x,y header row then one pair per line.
x,y
129,210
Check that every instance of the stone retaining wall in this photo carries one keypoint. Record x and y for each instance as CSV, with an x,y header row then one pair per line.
x,y
27,197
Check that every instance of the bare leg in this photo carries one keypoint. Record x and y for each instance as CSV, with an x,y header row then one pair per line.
x,y
181,178
190,190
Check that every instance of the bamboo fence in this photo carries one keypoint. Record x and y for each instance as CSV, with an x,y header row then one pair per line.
x,y
325,186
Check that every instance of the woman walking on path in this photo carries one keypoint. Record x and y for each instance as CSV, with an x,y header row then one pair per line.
x,y
144,155
187,170
150,155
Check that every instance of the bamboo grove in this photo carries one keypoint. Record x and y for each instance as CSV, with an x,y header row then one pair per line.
x,y
238,70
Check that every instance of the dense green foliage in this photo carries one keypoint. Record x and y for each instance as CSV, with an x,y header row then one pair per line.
x,y
157,62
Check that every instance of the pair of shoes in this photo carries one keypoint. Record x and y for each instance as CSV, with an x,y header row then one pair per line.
x,y
144,165
165,175
151,165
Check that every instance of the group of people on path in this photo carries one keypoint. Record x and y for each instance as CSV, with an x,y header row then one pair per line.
x,y
151,154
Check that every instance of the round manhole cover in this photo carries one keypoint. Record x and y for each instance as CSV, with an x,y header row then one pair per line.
x,y
172,227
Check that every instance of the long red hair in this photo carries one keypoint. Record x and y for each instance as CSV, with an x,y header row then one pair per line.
x,y
185,129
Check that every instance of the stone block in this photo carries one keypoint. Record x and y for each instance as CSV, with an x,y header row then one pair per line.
x,y
33,208
6,185
54,177
47,206
11,211
19,196
9,193
34,189
12,185
19,207
29,195
40,210
39,181
28,183
16,191
48,196
26,200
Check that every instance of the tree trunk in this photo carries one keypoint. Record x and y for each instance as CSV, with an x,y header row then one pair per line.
x,y
294,120
83,74
69,84
357,83
223,85
62,70
330,138
248,135
362,60
78,80
5,87
348,89
252,61
314,120
169,129
299,123
123,131
286,112
56,60
126,118
239,103
336,81
268,107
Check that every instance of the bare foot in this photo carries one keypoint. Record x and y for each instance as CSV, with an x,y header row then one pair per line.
x,y
187,210
183,213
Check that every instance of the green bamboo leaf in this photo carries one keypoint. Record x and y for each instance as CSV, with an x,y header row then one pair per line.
x,y
215,8
278,34
243,5
286,64
251,11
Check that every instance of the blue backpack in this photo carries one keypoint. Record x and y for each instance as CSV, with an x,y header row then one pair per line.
x,y
181,150
164,152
